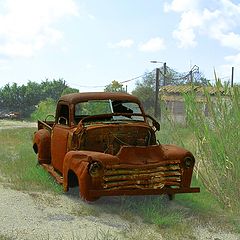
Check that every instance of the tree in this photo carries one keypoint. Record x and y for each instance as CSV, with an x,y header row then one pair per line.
x,y
45,107
145,91
172,77
115,86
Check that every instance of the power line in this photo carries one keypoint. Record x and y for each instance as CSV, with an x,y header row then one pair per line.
x,y
132,79
103,86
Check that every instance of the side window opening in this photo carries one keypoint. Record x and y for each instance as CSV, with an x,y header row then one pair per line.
x,y
63,117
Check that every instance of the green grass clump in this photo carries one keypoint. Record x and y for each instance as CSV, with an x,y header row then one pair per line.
x,y
18,162
151,209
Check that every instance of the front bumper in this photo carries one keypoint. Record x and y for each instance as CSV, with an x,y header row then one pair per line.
x,y
129,192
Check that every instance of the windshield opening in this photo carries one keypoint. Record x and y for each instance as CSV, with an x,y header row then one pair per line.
x,y
98,107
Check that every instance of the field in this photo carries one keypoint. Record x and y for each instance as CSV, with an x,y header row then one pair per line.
x,y
189,216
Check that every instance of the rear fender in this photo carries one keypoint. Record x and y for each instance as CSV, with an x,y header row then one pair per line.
x,y
42,145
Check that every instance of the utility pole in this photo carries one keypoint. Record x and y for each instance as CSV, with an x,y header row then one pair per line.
x,y
157,110
164,73
232,77
191,76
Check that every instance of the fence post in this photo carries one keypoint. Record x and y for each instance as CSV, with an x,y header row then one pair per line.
x,y
157,110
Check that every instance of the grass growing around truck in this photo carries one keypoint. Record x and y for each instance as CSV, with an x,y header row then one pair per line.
x,y
217,143
18,167
18,162
214,141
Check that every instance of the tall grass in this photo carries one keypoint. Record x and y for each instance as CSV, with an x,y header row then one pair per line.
x,y
217,142
18,162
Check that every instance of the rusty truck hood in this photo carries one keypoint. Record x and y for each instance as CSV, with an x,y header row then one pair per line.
x,y
135,155
109,138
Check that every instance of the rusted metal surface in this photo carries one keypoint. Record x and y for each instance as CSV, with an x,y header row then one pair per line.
x,y
112,153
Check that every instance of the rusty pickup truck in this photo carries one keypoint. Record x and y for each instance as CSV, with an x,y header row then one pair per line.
x,y
105,144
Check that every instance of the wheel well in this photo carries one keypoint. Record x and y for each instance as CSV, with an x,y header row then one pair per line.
x,y
72,179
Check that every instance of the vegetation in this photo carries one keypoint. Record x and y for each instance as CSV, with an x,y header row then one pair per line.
x,y
216,144
115,86
45,108
25,98
213,138
145,91
18,164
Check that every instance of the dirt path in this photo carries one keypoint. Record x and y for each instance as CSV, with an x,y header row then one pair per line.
x,y
48,216
10,124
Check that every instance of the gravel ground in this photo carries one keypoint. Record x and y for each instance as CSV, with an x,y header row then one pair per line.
x,y
34,215
48,216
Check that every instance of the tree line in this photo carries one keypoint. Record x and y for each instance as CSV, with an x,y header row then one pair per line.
x,y
24,99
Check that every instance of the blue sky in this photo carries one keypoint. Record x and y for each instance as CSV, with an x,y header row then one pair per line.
x,y
90,43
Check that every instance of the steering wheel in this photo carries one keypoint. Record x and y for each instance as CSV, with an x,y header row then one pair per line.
x,y
63,121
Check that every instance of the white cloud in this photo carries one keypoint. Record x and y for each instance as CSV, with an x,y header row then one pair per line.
x,y
152,45
230,39
180,5
233,59
126,43
186,37
27,26
218,24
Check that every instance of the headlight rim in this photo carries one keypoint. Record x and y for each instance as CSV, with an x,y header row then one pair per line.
x,y
189,162
95,168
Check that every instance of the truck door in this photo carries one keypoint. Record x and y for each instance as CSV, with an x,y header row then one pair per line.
x,y
59,139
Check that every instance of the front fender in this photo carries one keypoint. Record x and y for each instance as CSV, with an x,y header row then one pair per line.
x,y
75,162
78,163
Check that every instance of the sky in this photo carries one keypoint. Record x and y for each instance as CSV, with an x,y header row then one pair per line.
x,y
90,43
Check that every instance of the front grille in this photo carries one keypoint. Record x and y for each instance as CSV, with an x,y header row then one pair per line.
x,y
149,176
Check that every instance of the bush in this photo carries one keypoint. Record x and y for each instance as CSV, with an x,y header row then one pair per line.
x,y
46,107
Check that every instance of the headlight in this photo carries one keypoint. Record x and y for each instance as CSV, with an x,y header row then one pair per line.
x,y
95,169
188,162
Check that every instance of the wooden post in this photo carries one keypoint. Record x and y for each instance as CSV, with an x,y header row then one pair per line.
x,y
232,77
164,73
156,105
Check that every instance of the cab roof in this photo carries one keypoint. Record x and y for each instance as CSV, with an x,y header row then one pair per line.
x,y
74,98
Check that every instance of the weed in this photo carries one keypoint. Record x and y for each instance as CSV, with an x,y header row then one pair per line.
x,y
3,237
217,143
18,164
